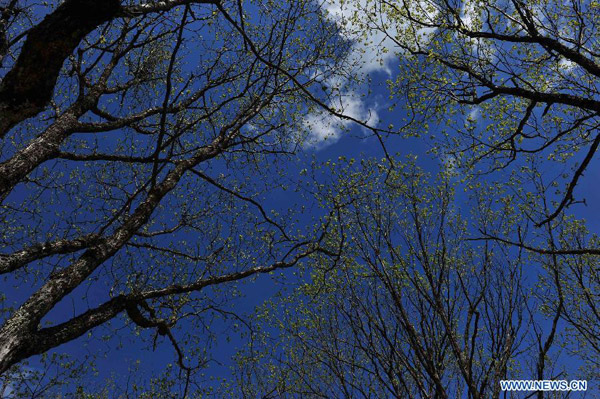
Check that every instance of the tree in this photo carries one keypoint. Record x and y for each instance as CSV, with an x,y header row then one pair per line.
x,y
414,308
503,81
427,301
131,135
513,87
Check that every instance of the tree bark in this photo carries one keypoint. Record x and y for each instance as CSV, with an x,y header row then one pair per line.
x,y
28,87
21,330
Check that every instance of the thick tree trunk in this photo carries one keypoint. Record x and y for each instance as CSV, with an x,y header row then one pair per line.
x,y
20,336
27,88
20,340
39,150
13,344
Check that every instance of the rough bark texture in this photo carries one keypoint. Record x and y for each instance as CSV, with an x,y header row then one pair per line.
x,y
9,263
20,334
27,88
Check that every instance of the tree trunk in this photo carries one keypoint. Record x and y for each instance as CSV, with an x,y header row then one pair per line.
x,y
27,88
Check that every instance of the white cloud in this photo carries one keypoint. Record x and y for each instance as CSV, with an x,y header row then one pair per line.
x,y
324,129
370,53
470,15
566,65
450,165
366,56
474,114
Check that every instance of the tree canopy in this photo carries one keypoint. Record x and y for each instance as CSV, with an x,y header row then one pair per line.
x,y
415,307
509,80
153,154
136,138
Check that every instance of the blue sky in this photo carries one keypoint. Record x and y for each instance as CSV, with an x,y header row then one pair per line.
x,y
329,139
